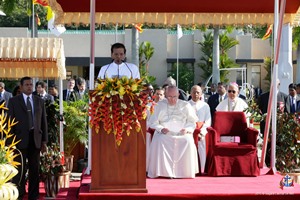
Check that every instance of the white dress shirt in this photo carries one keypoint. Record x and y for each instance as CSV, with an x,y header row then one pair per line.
x,y
113,70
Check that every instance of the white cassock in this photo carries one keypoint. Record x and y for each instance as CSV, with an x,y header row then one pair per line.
x,y
237,105
203,113
172,154
228,104
114,70
148,135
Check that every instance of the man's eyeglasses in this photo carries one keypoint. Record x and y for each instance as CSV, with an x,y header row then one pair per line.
x,y
232,91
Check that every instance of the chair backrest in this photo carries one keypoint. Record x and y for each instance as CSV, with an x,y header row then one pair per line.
x,y
231,124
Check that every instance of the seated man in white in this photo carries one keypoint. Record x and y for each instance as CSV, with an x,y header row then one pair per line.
x,y
203,113
172,151
159,95
233,102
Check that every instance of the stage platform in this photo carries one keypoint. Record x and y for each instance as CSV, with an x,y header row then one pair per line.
x,y
266,187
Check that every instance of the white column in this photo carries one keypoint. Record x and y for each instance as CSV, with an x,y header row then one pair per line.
x,y
216,57
285,62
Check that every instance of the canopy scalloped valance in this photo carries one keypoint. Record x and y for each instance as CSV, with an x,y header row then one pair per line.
x,y
180,18
34,57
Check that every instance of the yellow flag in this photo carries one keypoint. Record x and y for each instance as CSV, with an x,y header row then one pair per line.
x,y
49,13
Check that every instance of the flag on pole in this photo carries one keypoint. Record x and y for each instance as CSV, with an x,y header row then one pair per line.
x,y
41,2
138,27
179,32
268,32
55,29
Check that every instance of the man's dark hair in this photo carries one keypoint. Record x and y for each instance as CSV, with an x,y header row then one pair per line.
x,y
222,84
41,83
25,78
159,88
293,86
118,46
53,86
80,81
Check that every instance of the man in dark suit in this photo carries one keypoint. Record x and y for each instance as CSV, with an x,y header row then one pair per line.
x,y
292,103
4,95
81,88
214,100
41,87
213,89
263,101
31,129
53,90
70,94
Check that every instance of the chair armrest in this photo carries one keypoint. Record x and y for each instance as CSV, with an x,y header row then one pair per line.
x,y
151,131
252,134
195,136
212,136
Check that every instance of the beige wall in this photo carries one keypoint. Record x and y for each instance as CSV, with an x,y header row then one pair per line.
x,y
78,45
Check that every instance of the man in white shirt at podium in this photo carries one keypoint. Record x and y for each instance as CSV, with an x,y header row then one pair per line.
x,y
119,67
173,152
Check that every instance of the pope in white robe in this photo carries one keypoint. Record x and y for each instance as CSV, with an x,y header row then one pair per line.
x,y
202,111
118,67
172,151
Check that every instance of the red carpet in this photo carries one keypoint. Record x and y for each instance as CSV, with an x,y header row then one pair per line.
x,y
70,193
204,187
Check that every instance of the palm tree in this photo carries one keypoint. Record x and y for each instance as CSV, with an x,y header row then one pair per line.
x,y
226,43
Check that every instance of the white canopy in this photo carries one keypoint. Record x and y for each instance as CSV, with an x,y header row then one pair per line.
x,y
34,57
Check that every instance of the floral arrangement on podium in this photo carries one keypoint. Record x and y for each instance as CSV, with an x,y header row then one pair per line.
x,y
7,164
120,104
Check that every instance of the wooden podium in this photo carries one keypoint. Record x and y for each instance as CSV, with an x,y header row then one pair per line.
x,y
119,169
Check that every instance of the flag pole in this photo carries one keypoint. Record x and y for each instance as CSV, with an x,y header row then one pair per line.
x,y
177,63
179,35
91,75
275,72
32,25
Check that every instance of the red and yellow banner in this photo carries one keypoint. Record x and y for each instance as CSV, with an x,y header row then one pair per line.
x,y
41,2
268,32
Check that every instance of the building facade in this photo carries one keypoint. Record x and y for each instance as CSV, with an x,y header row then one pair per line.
x,y
249,54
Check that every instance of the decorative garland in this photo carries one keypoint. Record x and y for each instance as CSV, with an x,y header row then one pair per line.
x,y
120,104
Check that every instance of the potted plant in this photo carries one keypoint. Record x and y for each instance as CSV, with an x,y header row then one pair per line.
x,y
287,140
52,171
75,118
288,144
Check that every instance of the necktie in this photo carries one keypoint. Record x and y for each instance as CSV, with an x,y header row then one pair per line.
x,y
0,95
220,99
293,110
71,96
29,113
68,95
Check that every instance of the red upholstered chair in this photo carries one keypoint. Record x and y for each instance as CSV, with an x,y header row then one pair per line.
x,y
232,158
